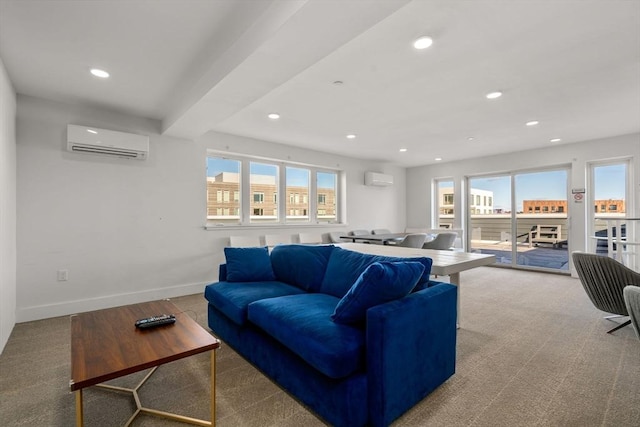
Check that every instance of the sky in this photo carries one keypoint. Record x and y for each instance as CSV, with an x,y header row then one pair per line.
x,y
298,177
550,185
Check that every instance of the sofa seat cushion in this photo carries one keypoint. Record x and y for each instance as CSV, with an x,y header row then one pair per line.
x,y
302,323
232,298
346,266
301,265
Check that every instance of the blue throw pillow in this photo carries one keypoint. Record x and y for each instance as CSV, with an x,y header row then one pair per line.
x,y
301,265
248,265
381,282
346,266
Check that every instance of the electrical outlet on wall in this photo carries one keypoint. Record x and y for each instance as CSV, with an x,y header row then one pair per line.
x,y
63,275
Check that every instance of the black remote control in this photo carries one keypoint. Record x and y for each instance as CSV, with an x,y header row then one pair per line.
x,y
153,321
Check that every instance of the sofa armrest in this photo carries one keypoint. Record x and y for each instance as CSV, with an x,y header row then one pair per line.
x,y
411,350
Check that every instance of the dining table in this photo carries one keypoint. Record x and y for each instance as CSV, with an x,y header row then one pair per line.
x,y
385,239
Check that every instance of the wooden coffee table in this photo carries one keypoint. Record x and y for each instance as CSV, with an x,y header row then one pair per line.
x,y
105,344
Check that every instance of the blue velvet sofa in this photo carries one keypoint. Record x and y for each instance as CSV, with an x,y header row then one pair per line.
x,y
357,338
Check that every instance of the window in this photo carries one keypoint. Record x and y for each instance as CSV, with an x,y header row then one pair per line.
x,y
263,183
223,177
613,208
327,186
244,191
298,187
444,211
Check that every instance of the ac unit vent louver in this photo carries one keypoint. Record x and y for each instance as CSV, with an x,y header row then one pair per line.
x,y
91,140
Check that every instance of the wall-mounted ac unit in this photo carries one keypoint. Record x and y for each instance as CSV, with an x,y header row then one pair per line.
x,y
91,140
377,179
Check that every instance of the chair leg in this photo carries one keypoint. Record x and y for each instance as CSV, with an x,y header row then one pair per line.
x,y
622,325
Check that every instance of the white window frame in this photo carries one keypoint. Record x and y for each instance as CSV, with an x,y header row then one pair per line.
x,y
245,189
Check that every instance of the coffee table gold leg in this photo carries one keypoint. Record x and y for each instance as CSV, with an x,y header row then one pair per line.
x,y
79,414
213,387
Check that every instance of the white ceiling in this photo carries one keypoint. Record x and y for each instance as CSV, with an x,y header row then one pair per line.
x,y
223,65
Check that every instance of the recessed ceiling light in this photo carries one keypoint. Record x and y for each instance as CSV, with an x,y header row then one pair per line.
x,y
338,82
99,73
423,42
437,159
470,138
92,131
494,95
403,150
532,123
555,140
351,136
273,116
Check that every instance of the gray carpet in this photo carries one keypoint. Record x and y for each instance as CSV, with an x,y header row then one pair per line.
x,y
532,351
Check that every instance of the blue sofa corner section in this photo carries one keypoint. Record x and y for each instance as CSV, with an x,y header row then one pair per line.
x,y
350,375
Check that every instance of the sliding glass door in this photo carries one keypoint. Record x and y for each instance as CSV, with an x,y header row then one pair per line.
x,y
521,218
490,222
541,219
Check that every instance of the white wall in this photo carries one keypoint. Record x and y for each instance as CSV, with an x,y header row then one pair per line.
x,y
7,207
577,156
130,231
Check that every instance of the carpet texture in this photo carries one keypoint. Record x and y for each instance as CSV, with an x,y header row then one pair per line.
x,y
532,351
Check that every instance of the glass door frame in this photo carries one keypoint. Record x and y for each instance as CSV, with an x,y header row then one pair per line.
x,y
512,176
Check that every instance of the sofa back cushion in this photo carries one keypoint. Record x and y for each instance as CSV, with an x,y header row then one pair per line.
x,y
346,266
301,265
248,265
379,283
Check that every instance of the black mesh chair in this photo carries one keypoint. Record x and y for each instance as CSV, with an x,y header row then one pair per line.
x,y
604,279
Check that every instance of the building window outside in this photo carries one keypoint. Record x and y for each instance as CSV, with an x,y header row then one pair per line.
x,y
225,190
447,199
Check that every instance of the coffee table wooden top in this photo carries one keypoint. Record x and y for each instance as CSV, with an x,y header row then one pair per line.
x,y
105,344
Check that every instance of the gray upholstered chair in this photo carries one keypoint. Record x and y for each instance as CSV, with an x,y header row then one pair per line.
x,y
334,237
632,301
443,241
380,231
413,240
358,233
604,279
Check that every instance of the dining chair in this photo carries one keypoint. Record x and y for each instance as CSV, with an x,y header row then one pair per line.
x,y
415,240
277,239
358,233
632,301
442,241
380,231
334,237
604,279
310,238
244,241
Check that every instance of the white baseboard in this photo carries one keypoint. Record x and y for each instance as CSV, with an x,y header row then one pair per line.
x,y
27,314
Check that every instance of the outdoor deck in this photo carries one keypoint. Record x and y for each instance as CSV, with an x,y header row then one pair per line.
x,y
543,256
